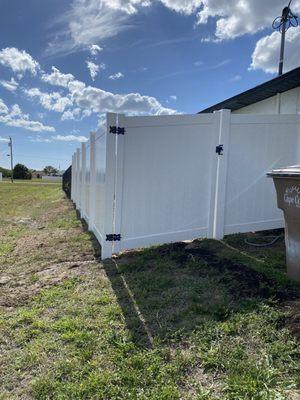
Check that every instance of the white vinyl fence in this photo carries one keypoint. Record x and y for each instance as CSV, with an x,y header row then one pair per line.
x,y
162,179
51,178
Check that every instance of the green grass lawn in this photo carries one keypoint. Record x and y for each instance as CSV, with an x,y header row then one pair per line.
x,y
33,180
204,320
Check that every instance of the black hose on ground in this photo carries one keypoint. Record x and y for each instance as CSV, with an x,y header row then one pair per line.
x,y
276,238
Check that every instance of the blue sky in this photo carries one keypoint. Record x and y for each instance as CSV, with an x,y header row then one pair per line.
x,y
64,63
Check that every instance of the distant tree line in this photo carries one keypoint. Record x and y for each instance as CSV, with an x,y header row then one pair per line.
x,y
20,171
49,170
6,173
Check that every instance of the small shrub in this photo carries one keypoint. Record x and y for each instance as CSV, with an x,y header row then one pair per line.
x,y
21,172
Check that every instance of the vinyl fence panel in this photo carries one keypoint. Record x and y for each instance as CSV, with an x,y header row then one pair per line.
x,y
165,166
79,179
153,180
104,180
100,180
77,155
82,177
92,178
257,144
86,183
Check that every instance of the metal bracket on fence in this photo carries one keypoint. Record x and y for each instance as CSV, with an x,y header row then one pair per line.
x,y
219,149
116,130
113,238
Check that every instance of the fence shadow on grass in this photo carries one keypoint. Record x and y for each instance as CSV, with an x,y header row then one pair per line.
x,y
166,292
134,319
169,291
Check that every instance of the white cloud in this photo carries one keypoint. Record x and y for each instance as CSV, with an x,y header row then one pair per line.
x,y
236,18
86,23
91,21
115,76
4,140
267,49
95,100
71,114
11,85
183,6
173,97
89,99
198,63
3,107
50,101
76,85
142,69
80,101
95,49
70,138
18,60
15,117
39,139
94,68
236,78
57,78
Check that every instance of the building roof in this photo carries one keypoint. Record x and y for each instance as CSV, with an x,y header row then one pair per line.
x,y
280,84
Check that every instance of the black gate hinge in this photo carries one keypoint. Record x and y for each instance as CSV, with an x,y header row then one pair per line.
x,y
116,130
113,237
219,149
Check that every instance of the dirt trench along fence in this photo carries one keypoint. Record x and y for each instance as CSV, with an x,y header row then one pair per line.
x,y
161,179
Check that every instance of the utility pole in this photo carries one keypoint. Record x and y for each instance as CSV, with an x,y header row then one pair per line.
x,y
282,24
285,13
10,144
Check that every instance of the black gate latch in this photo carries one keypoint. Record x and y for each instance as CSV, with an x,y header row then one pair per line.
x,y
113,238
219,149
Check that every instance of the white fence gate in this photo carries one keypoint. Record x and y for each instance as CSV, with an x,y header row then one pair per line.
x,y
154,180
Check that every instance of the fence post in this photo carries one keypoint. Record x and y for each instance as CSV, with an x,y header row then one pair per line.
x,y
119,182
214,163
92,180
106,246
78,186
83,171
221,177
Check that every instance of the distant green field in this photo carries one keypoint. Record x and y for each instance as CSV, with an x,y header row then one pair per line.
x,y
206,320
30,181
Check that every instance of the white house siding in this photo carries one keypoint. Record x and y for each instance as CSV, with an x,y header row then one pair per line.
x,y
284,103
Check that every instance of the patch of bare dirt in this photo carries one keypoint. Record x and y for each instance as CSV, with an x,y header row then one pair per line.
x,y
43,257
56,209
29,223
207,381
40,241
293,395
16,292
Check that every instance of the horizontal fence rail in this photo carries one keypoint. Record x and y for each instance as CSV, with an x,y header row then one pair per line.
x,y
151,180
